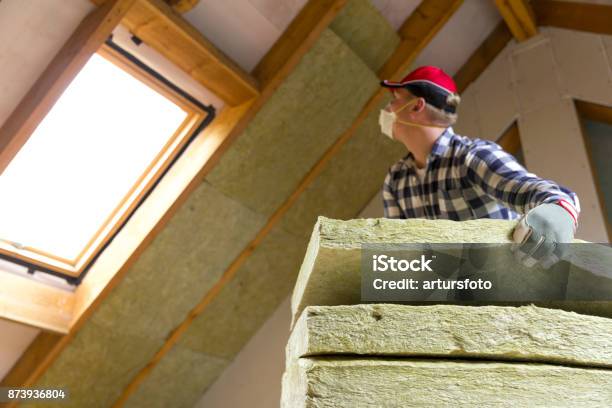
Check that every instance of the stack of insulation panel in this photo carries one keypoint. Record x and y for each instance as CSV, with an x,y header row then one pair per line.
x,y
345,354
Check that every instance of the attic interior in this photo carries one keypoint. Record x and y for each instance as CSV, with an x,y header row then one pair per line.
x,y
151,263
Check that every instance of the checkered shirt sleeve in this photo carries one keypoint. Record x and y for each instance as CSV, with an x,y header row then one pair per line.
x,y
467,179
497,174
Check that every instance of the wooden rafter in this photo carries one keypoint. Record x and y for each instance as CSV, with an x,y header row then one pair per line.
x,y
519,17
428,18
182,179
595,18
86,39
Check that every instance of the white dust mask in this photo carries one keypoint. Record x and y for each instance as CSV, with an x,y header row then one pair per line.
x,y
386,119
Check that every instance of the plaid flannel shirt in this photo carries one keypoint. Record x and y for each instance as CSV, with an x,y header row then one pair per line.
x,y
467,179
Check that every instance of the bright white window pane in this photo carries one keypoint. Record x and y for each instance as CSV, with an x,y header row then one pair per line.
x,y
83,159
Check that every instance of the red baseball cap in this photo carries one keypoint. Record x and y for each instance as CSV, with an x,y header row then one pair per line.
x,y
430,83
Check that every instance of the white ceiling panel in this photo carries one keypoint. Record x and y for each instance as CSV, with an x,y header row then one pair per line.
x,y
243,29
460,36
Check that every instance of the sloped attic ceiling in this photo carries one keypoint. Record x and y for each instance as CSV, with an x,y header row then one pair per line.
x,y
187,264
183,266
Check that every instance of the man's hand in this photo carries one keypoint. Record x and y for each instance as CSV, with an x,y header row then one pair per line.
x,y
539,232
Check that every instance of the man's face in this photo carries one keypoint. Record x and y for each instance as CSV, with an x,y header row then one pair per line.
x,y
408,108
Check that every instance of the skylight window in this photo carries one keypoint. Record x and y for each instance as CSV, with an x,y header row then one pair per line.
x,y
87,162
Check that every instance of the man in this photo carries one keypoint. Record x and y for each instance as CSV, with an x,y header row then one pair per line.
x,y
453,177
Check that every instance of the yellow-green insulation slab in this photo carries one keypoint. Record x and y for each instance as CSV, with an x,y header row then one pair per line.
x,y
258,288
367,32
525,333
334,382
96,366
185,260
241,307
179,379
303,118
349,181
331,271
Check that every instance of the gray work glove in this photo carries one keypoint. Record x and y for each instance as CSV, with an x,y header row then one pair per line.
x,y
538,233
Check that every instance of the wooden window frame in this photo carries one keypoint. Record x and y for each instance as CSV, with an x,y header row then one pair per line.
x,y
126,205
160,27
63,310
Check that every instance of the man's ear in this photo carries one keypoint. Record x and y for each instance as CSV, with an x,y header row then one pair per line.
x,y
419,106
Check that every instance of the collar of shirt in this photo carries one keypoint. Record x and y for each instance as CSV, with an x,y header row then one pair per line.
x,y
438,149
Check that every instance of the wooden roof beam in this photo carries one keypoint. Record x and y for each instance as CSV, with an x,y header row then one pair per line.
x,y
519,17
595,18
